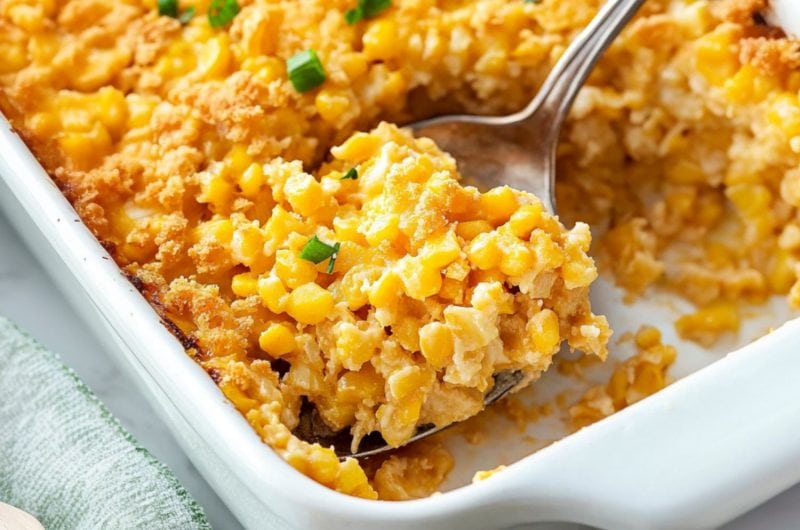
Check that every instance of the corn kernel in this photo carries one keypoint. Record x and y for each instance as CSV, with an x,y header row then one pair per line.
x,y
309,304
543,330
524,220
355,387
273,293
244,284
380,41
436,344
252,180
277,340
498,204
293,270
440,251
357,148
419,281
469,230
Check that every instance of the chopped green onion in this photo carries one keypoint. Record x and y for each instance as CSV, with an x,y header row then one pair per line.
x,y
168,8
332,262
316,251
366,9
533,1
351,16
352,174
305,70
187,15
221,12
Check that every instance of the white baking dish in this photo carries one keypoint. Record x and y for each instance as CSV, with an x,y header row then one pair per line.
x,y
699,453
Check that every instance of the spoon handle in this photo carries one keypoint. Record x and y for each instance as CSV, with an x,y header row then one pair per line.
x,y
553,101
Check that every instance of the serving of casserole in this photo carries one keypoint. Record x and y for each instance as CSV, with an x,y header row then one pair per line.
x,y
241,162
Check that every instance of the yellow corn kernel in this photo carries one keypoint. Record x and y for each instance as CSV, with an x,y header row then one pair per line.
x,y
240,400
332,104
393,88
324,465
42,48
309,304
397,421
270,70
15,56
252,180
380,41
357,148
750,200
440,250
353,481
483,251
384,227
617,387
354,347
237,160
436,344
219,230
273,294
28,17
277,340
364,385
112,110
98,68
247,245
781,275
647,337
707,323
498,204
304,194
784,113
749,85
524,220
215,57
215,190
419,281
386,290
543,330
517,260
407,381
140,109
43,124
354,64
470,327
293,270
86,148
683,171
244,284
716,56
469,230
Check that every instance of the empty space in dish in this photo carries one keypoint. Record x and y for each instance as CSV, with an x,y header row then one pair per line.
x,y
502,442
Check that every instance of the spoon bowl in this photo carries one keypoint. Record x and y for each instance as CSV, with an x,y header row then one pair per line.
x,y
517,150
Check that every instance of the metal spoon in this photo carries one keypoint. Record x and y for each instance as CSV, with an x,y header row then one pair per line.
x,y
518,150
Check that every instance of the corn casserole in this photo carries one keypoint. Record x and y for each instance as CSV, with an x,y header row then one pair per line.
x,y
242,163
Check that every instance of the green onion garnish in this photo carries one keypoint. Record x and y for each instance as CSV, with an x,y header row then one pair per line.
x,y
316,251
352,174
366,9
187,15
168,8
221,12
305,70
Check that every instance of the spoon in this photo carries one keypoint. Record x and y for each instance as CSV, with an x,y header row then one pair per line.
x,y
518,150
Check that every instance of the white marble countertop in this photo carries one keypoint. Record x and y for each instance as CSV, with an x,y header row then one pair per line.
x,y
28,297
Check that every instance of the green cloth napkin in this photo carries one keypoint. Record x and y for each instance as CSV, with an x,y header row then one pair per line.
x,y
66,460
